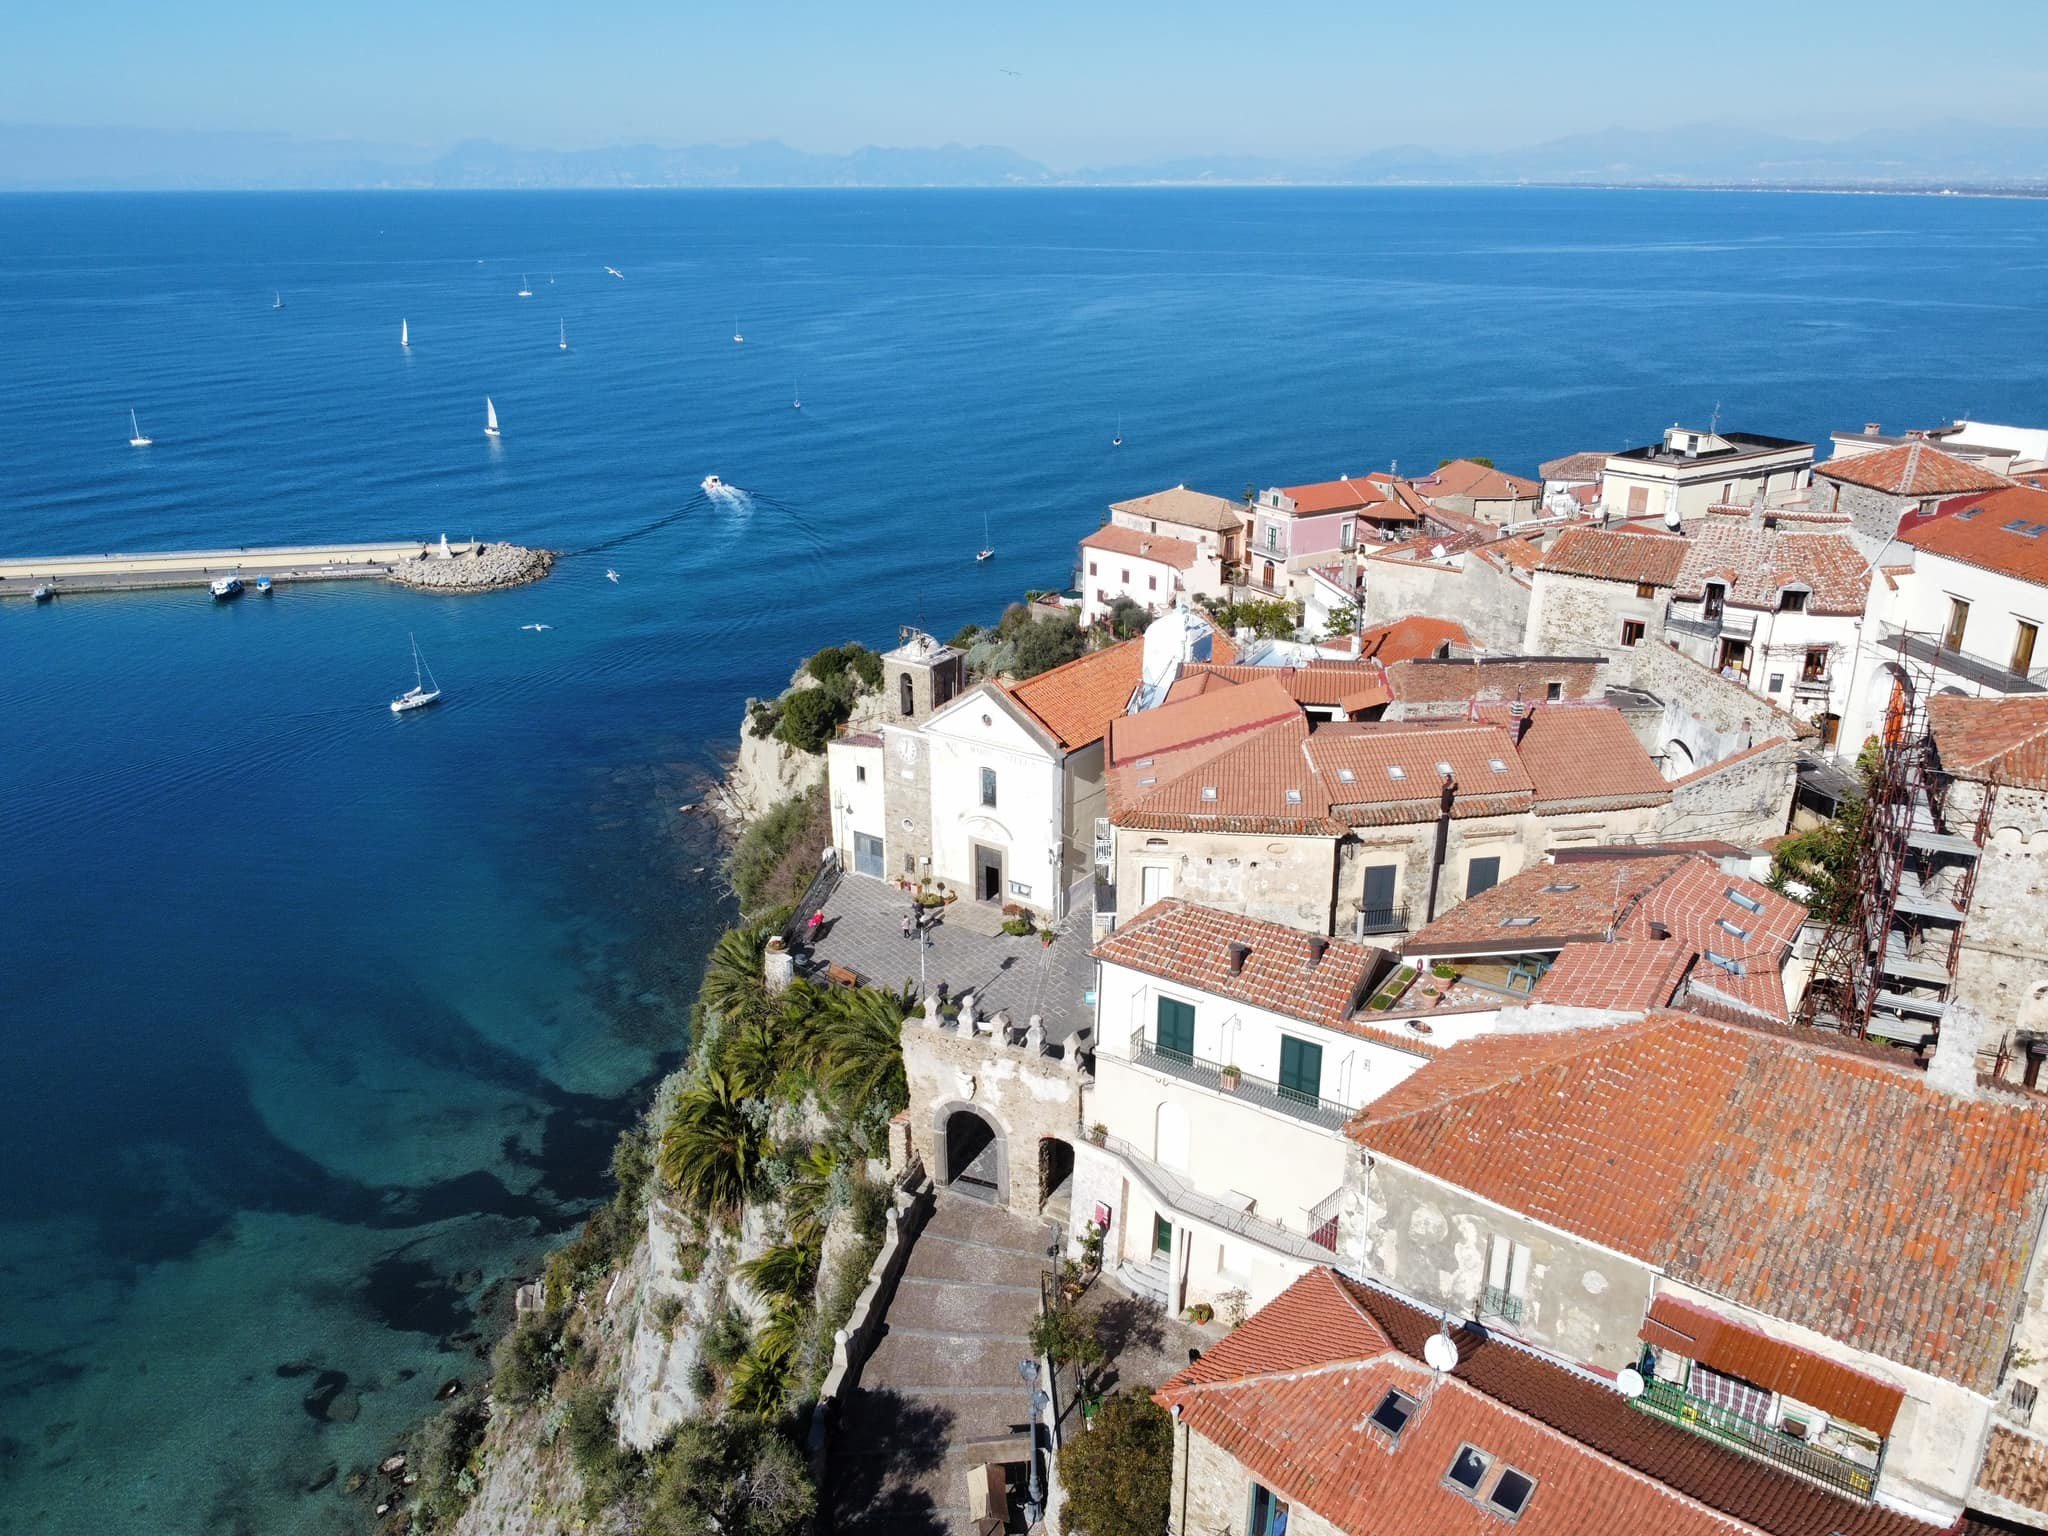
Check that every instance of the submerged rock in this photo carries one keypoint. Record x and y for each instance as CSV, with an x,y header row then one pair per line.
x,y
327,1475
449,1388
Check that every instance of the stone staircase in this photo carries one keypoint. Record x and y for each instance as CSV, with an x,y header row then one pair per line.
x,y
942,1391
1149,1280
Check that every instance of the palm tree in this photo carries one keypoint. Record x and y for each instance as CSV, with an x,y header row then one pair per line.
x,y
808,1199
783,1274
754,1057
734,987
863,1048
759,1382
710,1151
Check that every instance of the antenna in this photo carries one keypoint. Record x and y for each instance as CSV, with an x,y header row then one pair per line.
x,y
1628,1381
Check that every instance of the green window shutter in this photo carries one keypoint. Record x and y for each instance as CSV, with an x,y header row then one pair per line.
x,y
1176,1029
1301,1070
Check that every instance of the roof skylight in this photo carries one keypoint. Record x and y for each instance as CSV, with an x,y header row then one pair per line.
x,y
1727,927
1294,797
1727,963
1746,902
1511,1492
1346,776
1496,765
1468,1469
1444,769
1396,771
1393,1413
1560,888
1518,922
1208,791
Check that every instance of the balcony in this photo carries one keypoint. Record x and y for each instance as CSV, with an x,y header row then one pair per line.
x,y
1813,687
1928,648
1172,1190
1382,920
1504,1305
1675,1405
1257,1091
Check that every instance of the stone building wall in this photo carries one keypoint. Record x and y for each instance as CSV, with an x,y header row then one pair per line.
x,y
1023,1094
1873,515
1744,800
1572,615
1710,716
906,802
2003,970
1279,879
1212,1492
1492,605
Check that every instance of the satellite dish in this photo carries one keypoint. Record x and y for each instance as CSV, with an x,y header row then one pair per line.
x,y
1629,1382
1440,1352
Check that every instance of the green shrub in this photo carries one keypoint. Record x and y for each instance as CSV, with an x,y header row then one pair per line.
x,y
1128,617
967,635
869,1207
1118,1476
736,1475
810,717
763,716
1019,927
1042,644
865,666
776,857
447,1446
1274,618
607,1468
523,1364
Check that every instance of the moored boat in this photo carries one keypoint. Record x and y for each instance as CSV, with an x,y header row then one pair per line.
x,y
225,588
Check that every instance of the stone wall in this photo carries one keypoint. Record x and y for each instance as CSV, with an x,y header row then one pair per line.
x,y
906,802
1023,1094
1571,615
2003,971
1710,716
1279,879
1745,799
1212,1491
1873,515
1491,604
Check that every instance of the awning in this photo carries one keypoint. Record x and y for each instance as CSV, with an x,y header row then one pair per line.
x,y
1730,1347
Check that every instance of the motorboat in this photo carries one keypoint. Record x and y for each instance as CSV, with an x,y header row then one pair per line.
x,y
713,485
44,593
225,588
263,585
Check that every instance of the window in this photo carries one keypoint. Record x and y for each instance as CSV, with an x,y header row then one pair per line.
x,y
1396,772
1393,1414
1481,875
1176,1029
1728,963
1792,600
860,773
1776,684
1091,567
1631,631
1348,537
1711,603
1495,765
1468,1470
1268,1513
1747,903
1301,1070
1646,590
1518,922
988,787
1958,618
1273,536
1152,883
1511,1492
1553,691
1507,1278
1152,583
1730,1392
1376,904
1127,578
1814,668
1727,492
1737,929
1638,500
1162,1235
2023,648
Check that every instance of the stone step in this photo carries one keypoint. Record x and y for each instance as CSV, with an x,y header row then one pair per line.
x,y
954,1307
977,1221
935,1258
907,1363
869,1425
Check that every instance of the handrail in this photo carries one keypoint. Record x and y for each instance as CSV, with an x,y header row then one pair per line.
x,y
1176,1192
1261,1091
1677,1406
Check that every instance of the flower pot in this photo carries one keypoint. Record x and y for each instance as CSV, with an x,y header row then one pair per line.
x,y
1231,1078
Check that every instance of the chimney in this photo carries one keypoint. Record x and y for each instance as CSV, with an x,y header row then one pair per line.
x,y
1518,712
1659,930
1872,428
1318,946
1239,953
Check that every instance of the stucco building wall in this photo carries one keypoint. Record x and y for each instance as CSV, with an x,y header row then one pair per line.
x,y
1281,879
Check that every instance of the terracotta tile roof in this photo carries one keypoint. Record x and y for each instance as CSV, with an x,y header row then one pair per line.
x,y
1519,553
1742,952
1979,531
1630,978
1191,945
1291,1405
1258,781
1582,755
1570,903
1421,683
1824,1188
1595,1415
1417,635
1609,554
1349,685
1076,700
1911,469
1482,482
1382,773
1191,721
1994,740
1342,495
1810,1378
2015,1467
1189,509
1756,563
1114,539
1574,466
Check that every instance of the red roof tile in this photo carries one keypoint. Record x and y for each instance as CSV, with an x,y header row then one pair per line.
x,y
1348,685
1331,496
1385,772
1610,554
1482,482
1076,701
1188,509
1756,564
1824,1188
1994,741
1191,721
1412,637
1574,466
1911,469
2016,1468
1115,539
1582,755
1980,531
1730,1347
1630,978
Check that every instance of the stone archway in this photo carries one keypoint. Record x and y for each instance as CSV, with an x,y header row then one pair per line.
x,y
1055,1176
1677,759
973,1153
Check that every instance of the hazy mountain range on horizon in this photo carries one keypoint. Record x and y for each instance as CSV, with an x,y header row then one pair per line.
x,y
1946,153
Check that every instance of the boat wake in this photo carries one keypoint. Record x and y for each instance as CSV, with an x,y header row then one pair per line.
x,y
731,495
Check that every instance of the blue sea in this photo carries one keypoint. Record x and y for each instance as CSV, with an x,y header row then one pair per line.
x,y
316,1024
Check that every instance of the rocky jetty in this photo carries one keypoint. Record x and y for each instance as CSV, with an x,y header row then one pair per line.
x,y
478,568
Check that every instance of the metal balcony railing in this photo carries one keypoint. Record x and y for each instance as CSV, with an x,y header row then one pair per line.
x,y
1173,1190
1930,649
1504,1305
1675,1405
1263,1092
1383,919
1322,1220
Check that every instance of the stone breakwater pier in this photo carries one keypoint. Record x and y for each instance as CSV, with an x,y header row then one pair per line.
x,y
438,567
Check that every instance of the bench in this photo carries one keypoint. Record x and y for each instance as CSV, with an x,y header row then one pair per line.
x,y
842,976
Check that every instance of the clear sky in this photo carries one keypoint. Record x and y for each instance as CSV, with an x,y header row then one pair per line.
x,y
1095,83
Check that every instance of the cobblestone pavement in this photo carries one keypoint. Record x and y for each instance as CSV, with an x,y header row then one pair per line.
x,y
942,1392
863,931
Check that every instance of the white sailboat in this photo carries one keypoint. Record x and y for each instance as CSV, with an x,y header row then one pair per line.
x,y
988,551
796,397
138,440
565,336
404,334
1118,440
737,338
276,299
525,292
424,689
490,418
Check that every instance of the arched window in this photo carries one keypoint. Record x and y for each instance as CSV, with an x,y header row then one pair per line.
x,y
909,699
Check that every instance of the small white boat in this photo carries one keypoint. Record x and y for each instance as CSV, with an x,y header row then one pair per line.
x,y
490,418
988,550
796,401
712,485
1118,440
737,338
44,593
404,334
138,440
263,586
524,291
551,279
424,689
276,299
565,336
225,588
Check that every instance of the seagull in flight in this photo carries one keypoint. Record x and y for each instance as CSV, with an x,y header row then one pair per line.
x,y
1014,74
615,272
536,628
611,575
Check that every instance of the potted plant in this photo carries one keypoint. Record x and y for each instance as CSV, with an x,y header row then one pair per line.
x,y
1201,1312
1098,1133
1044,936
1231,1077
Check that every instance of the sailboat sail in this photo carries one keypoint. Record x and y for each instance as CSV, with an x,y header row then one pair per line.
x,y
490,417
404,334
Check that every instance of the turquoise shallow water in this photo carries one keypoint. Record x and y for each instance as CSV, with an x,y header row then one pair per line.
x,y
314,1023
